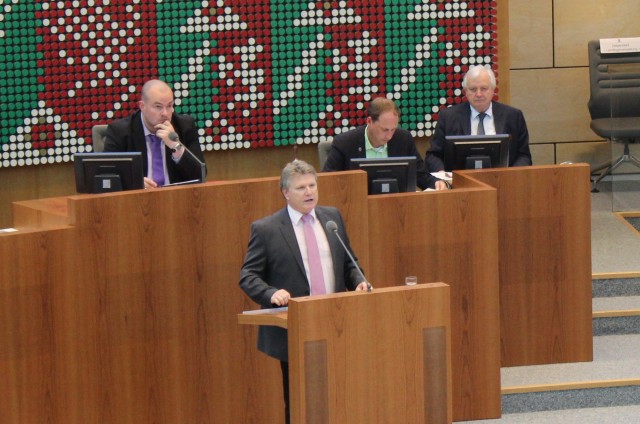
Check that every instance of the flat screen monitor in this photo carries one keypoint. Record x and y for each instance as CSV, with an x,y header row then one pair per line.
x,y
476,151
108,172
388,175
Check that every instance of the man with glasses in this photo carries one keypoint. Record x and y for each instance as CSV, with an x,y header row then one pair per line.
x,y
479,114
168,141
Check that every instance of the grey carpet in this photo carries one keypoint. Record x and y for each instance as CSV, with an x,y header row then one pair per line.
x,y
615,248
634,221
610,415
615,287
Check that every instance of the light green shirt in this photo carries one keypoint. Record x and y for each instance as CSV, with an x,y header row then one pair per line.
x,y
373,152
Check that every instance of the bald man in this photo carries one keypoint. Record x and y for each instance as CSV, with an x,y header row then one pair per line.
x,y
156,122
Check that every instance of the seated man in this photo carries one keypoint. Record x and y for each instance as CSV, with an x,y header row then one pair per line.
x,y
168,141
379,138
479,84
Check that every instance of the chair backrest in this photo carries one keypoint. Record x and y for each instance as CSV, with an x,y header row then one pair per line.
x,y
97,136
614,81
323,151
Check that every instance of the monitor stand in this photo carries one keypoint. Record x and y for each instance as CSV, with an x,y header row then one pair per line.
x,y
384,186
478,162
106,183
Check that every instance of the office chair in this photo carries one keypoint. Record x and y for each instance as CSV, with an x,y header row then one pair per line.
x,y
614,105
97,136
323,151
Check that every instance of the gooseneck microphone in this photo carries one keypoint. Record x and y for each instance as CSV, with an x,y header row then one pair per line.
x,y
332,227
173,136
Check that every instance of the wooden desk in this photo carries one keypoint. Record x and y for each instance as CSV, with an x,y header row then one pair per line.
x,y
449,236
121,308
544,233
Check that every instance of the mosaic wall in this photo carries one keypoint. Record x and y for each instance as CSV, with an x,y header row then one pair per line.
x,y
268,73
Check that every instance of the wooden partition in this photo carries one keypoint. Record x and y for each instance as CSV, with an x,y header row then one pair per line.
x,y
126,313
121,308
449,236
544,227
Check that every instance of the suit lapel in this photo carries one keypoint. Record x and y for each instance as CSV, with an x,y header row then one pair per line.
x,y
466,119
498,118
361,151
289,236
139,140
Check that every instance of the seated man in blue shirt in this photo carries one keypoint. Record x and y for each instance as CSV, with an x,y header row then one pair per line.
x,y
480,112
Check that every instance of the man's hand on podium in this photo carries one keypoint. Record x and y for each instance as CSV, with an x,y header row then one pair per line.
x,y
364,286
280,298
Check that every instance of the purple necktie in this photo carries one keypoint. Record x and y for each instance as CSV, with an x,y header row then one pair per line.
x,y
313,256
157,169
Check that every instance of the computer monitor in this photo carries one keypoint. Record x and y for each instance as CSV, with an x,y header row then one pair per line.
x,y
388,175
476,151
108,172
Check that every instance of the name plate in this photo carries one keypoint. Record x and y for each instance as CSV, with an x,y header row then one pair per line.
x,y
620,45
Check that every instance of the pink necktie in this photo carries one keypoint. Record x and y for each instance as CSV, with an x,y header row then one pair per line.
x,y
313,256
156,159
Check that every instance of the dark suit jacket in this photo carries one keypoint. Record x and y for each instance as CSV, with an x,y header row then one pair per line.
x,y
351,144
456,120
127,135
273,261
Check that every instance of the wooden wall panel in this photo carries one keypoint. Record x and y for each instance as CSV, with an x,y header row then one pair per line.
x,y
544,226
449,236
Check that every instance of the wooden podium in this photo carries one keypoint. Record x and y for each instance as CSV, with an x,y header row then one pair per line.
x,y
376,357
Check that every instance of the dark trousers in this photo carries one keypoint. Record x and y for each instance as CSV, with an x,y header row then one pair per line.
x,y
285,388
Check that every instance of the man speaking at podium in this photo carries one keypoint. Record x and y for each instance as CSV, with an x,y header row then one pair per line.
x,y
300,250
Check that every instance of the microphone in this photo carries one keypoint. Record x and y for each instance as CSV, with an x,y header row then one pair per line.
x,y
332,227
173,136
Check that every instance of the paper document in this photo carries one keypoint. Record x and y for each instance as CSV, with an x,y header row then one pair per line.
x,y
266,311
443,175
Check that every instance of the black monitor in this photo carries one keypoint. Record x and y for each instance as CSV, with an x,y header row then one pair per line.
x,y
476,151
388,175
107,172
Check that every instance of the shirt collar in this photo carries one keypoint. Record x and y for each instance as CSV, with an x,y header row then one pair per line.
x,y
296,216
144,128
369,146
488,112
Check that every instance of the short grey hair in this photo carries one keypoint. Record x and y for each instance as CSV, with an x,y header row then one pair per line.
x,y
297,167
477,70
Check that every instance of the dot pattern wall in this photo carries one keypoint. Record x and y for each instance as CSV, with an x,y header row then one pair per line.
x,y
254,74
